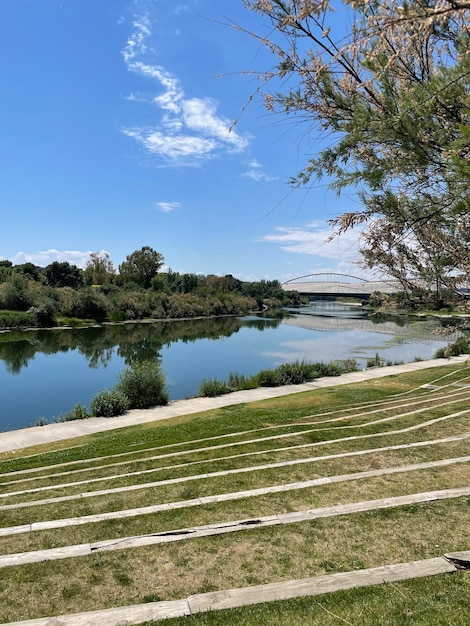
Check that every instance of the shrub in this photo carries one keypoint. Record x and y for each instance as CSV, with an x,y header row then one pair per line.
x,y
143,384
349,365
89,303
44,310
130,304
16,294
331,369
268,378
211,387
237,382
16,319
109,403
78,412
461,346
295,373
376,361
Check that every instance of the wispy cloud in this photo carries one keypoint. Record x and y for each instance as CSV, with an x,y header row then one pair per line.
x,y
46,257
135,45
190,130
167,207
312,239
255,172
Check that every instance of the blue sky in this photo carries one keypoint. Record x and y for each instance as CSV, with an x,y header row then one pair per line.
x,y
115,118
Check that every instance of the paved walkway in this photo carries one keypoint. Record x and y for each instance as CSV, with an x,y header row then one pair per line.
x,y
26,437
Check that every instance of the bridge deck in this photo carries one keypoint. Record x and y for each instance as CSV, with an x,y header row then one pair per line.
x,y
336,288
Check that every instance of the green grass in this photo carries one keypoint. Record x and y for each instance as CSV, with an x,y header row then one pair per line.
x,y
436,600
225,420
236,438
235,560
268,504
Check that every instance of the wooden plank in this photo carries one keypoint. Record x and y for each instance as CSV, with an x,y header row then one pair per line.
x,y
134,614
222,528
15,530
319,481
232,598
37,556
461,558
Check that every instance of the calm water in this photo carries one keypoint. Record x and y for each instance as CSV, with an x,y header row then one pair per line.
x,y
45,373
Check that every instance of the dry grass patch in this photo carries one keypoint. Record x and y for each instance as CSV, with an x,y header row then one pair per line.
x,y
177,570
437,600
269,504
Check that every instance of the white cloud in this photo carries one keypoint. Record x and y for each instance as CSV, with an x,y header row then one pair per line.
x,y
339,255
136,97
167,207
255,172
312,239
189,130
45,257
173,93
136,43
180,149
200,115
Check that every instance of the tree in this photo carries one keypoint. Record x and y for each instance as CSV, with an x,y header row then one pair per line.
x,y
141,266
29,269
5,270
392,99
64,275
100,268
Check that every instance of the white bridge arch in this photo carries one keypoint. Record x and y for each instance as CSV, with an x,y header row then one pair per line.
x,y
336,284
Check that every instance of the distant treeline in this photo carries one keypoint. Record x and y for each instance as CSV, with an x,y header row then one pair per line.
x,y
62,293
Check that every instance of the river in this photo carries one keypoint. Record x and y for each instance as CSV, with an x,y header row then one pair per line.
x,y
44,373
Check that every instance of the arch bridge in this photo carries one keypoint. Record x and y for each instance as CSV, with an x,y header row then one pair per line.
x,y
336,285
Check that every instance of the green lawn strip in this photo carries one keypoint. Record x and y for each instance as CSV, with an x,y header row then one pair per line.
x,y
312,436
48,475
133,437
209,457
437,430
222,420
243,435
372,488
246,558
440,600
140,498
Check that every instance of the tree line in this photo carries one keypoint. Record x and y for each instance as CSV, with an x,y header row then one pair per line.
x,y
62,293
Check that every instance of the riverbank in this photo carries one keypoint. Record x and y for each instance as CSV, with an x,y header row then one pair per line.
x,y
26,437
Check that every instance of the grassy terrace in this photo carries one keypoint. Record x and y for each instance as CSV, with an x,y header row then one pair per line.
x,y
400,435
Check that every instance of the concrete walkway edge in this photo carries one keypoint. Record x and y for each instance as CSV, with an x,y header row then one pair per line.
x,y
37,435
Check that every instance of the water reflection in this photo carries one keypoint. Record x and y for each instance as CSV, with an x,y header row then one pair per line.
x,y
131,342
44,373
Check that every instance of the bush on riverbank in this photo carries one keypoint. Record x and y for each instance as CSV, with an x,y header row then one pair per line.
x,y
294,373
143,384
16,319
461,346
211,387
109,403
78,412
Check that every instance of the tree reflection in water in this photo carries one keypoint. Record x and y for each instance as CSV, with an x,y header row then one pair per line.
x,y
132,342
